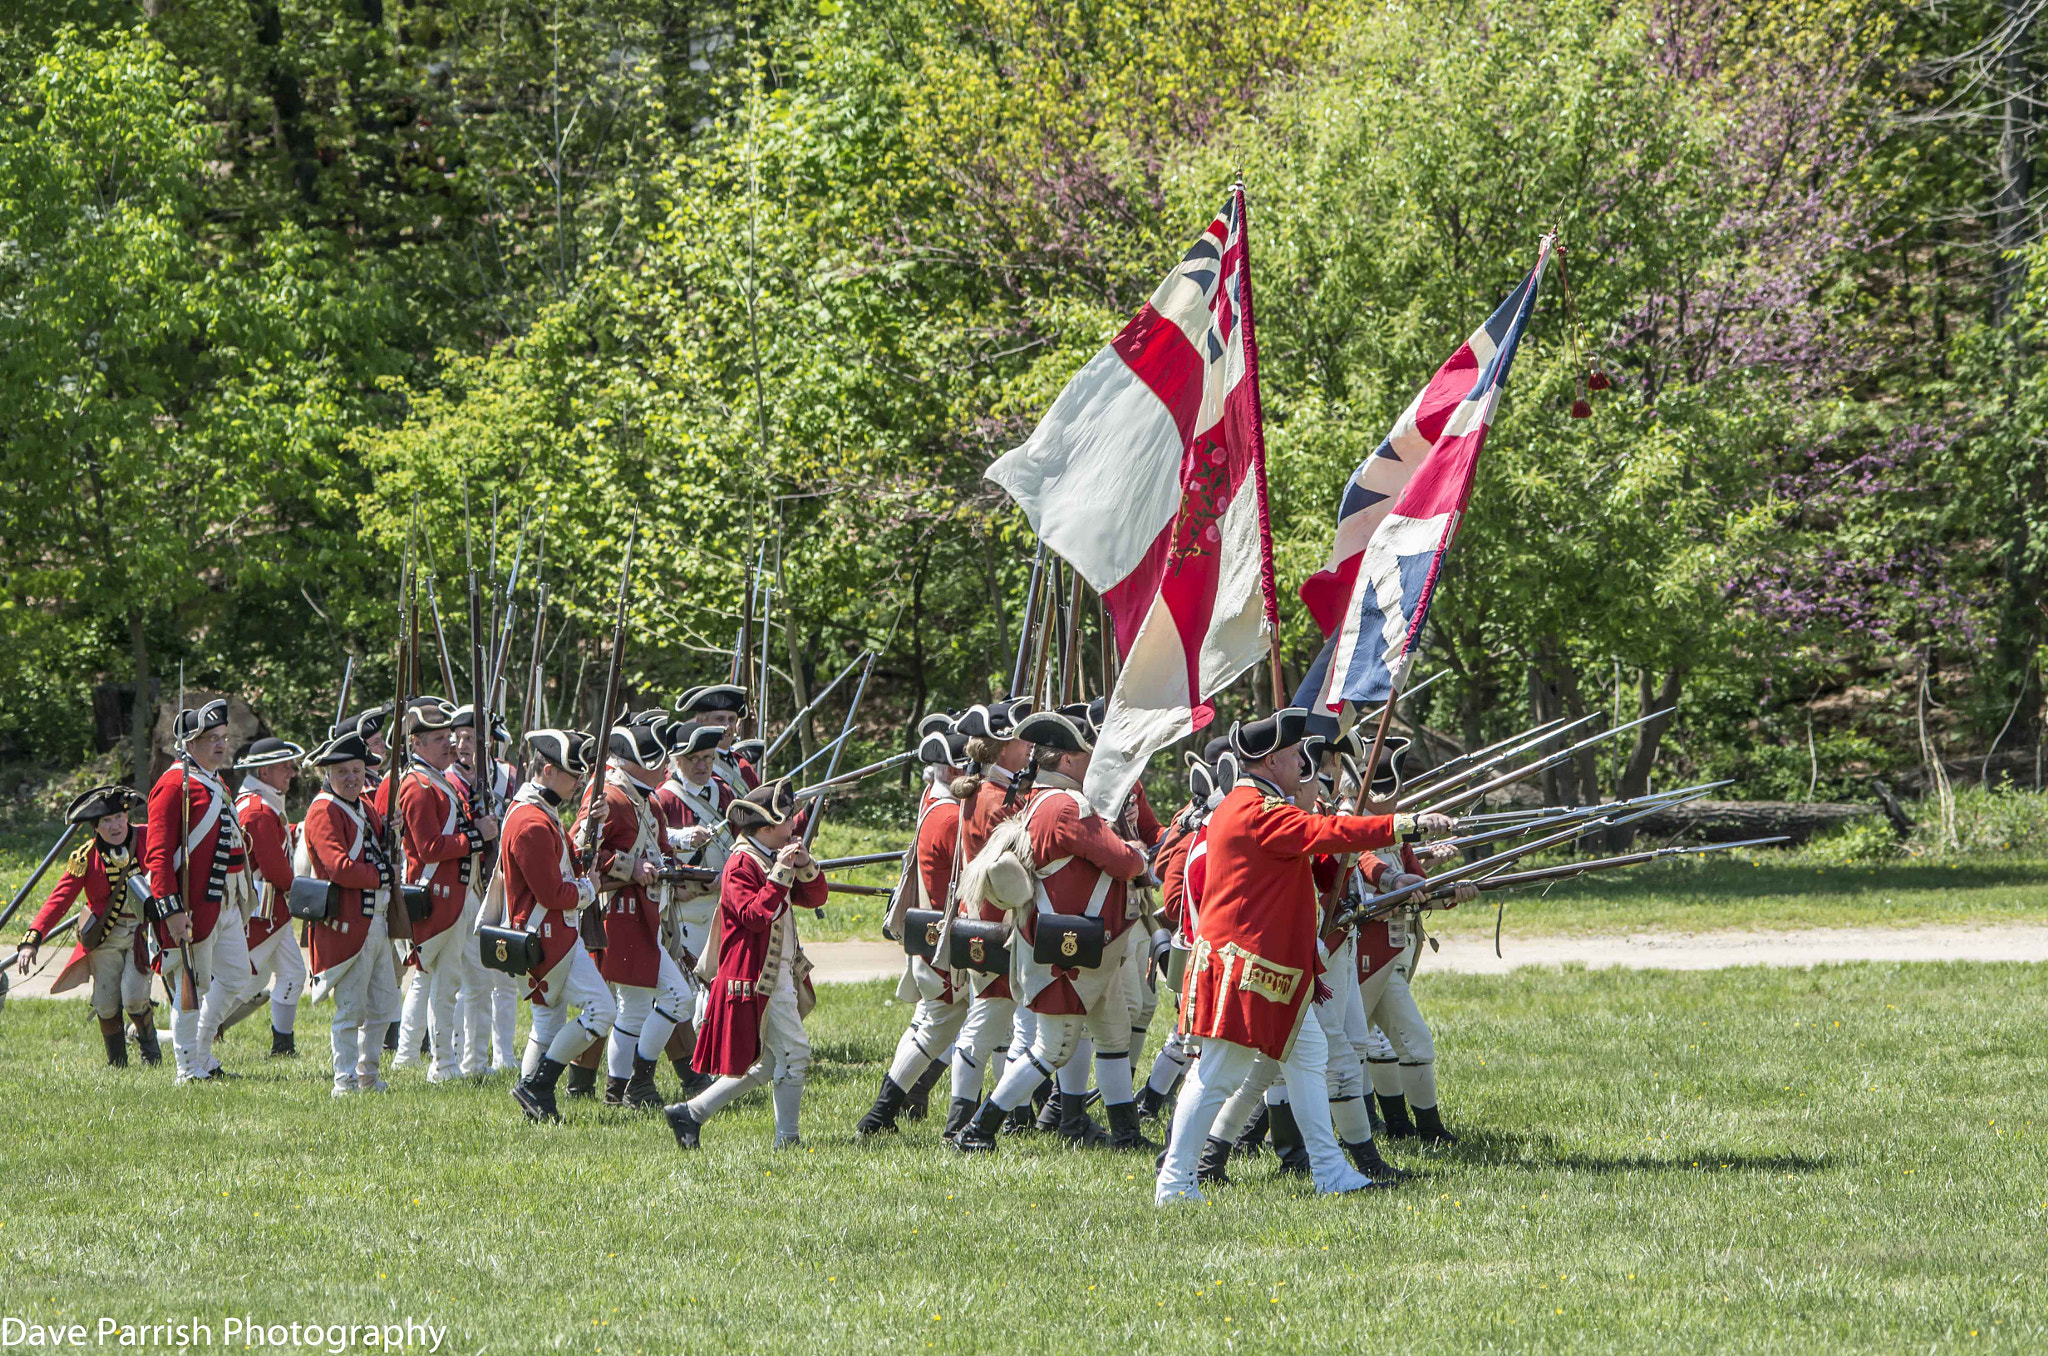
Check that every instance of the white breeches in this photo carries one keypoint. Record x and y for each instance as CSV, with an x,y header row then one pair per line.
x,y
785,1060
929,1037
573,983
365,996
983,1037
454,999
118,984
646,1018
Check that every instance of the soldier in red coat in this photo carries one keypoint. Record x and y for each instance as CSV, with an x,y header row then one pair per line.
x,y
995,757
274,959
753,1029
1254,971
722,705
342,842
940,995
1170,862
645,979
443,840
489,782
693,799
194,856
110,950
544,894
1083,870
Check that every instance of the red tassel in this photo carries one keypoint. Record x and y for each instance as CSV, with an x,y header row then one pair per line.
x,y
1581,410
1598,381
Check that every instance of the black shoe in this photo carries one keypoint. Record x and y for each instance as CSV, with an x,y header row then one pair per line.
x,y
1429,1127
1209,1168
1151,1101
917,1101
1076,1126
1366,1158
1018,1120
978,1136
882,1115
116,1042
1048,1119
641,1094
957,1118
1287,1140
686,1127
1124,1134
614,1091
536,1095
145,1036
391,1037
1394,1111
283,1044
582,1082
1248,1143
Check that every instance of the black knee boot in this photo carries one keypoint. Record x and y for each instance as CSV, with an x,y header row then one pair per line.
x,y
979,1134
145,1036
115,1038
882,1115
536,1095
1287,1139
1209,1168
283,1044
917,1099
582,1081
1429,1127
640,1090
1394,1111
1253,1136
1076,1126
1366,1158
956,1119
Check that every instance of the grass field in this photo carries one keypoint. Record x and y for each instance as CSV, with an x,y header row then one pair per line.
x,y
1847,1159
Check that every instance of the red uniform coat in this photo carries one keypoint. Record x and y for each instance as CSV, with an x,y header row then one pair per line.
x,y
213,858
1253,973
441,844
86,876
269,846
1170,863
938,839
1093,852
539,878
987,811
345,845
753,907
632,918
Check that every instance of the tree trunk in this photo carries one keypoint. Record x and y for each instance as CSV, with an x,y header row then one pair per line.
x,y
145,704
287,100
2015,157
1635,774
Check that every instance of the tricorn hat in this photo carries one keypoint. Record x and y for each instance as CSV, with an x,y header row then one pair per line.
x,y
750,750
653,715
641,744
346,747
767,804
269,752
1201,781
686,737
429,713
1055,730
365,723
937,722
1261,737
465,719
212,716
102,801
941,749
712,697
569,750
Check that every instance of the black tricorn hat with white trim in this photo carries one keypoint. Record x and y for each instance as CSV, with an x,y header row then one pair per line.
x,y
638,744
712,697
937,722
1201,781
212,716
943,750
429,713
750,750
1387,775
569,750
365,723
346,747
767,804
269,752
1054,730
102,801
465,719
1256,739
686,737
653,715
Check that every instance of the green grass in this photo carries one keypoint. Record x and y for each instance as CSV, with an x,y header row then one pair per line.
x,y
1846,1159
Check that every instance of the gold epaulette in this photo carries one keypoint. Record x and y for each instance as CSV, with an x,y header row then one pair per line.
x,y
81,859
1274,802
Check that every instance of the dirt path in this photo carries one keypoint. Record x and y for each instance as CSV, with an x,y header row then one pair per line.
x,y
857,962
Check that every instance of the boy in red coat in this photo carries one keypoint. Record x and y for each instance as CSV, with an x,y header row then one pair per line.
x,y
342,842
753,1026
98,873
1253,975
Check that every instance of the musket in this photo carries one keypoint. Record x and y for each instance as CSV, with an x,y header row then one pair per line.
x,y
594,799
404,659
532,699
1030,612
63,841
790,728
1567,870
441,637
843,887
821,753
817,815
864,859
1483,761
1501,826
1471,794
348,673
1380,905
893,760
1541,812
482,755
188,993
767,615
54,934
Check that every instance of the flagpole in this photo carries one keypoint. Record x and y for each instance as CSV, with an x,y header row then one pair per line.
x,y
1251,373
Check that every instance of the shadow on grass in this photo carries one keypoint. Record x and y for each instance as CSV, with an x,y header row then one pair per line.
x,y
1726,879
1539,1153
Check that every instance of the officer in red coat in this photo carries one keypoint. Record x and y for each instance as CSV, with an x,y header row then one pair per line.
x,y
723,705
986,794
544,895
753,1029
274,958
110,950
645,979
1083,870
341,841
194,841
1253,974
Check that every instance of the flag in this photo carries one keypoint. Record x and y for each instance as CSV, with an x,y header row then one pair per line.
x,y
1148,476
1399,514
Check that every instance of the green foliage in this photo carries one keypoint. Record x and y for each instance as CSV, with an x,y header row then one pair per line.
x,y
1857,843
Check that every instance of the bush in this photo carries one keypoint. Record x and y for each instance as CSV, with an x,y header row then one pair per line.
x,y
1857,843
1995,821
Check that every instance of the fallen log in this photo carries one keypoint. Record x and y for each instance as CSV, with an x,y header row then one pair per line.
x,y
1727,821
